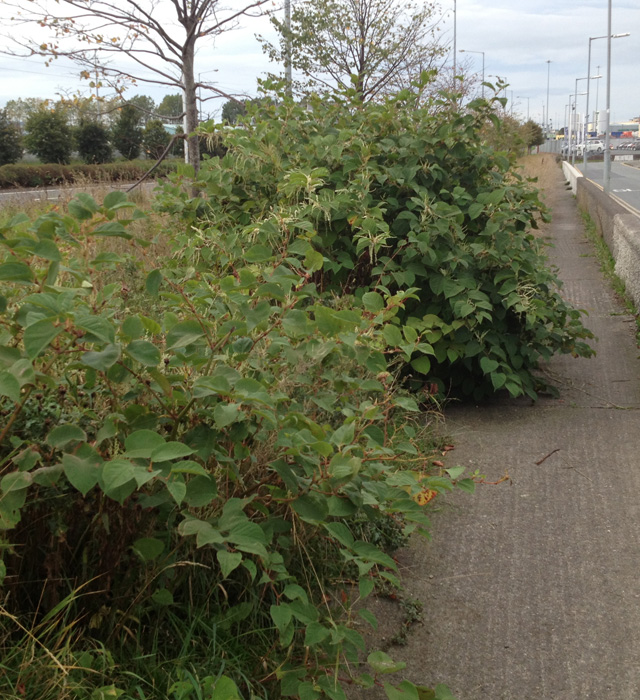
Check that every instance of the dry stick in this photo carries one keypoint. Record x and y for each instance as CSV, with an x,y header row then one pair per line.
x,y
174,138
540,461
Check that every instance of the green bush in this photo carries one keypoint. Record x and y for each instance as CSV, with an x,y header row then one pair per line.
x,y
183,445
408,197
48,136
92,140
28,175
10,140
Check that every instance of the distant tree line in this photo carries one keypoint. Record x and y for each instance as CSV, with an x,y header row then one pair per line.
x,y
94,129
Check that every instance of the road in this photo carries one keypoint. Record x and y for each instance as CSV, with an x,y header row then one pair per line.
x,y
624,181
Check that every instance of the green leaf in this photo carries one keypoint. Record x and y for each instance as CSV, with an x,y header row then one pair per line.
x,y
225,689
311,509
38,336
116,473
405,691
113,229
383,663
372,301
15,272
82,207
201,491
177,488
258,253
153,282
315,634
488,365
15,481
103,359
340,532
392,335
225,414
9,386
281,615
162,597
171,450
142,443
144,352
82,473
148,548
62,435
406,402
421,364
183,334
228,561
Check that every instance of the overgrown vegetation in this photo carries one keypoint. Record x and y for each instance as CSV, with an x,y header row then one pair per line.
x,y
607,267
204,453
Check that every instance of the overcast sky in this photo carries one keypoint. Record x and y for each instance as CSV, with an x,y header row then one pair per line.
x,y
517,38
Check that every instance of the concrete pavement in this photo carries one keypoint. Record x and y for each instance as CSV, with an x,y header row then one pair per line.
x,y
531,588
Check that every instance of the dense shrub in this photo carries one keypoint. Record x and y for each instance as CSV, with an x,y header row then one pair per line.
x,y
92,140
32,175
126,132
409,197
10,140
190,454
48,136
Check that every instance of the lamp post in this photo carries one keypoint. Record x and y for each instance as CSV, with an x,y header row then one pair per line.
x,y
573,98
481,52
575,107
455,20
523,97
593,38
548,75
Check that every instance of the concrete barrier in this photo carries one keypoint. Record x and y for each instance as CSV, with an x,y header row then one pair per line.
x,y
618,226
571,174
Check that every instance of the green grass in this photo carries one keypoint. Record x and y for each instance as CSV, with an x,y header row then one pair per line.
x,y
607,267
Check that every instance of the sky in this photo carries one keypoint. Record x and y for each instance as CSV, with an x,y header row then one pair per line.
x,y
518,39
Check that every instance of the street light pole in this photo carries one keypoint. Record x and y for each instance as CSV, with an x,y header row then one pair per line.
x,y
482,52
455,19
606,179
593,38
548,75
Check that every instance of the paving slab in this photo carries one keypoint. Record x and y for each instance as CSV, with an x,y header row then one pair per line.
x,y
531,588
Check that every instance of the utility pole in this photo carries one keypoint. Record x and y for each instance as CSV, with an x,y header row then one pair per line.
x,y
287,59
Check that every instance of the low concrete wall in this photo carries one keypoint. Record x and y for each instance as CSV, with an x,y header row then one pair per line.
x,y
619,228
571,174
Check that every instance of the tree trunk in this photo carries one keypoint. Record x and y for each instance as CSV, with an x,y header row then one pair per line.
x,y
190,103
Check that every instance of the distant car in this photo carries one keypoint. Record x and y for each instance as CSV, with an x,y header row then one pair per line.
x,y
593,146
635,145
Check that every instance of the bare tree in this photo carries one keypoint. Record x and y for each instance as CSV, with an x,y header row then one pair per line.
x,y
373,46
131,41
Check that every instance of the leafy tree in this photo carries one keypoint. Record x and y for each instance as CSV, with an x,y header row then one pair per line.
x,y
93,143
18,111
532,134
49,136
146,107
232,109
10,140
142,32
126,133
171,108
374,46
154,139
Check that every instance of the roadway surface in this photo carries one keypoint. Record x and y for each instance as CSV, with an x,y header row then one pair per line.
x,y
624,181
